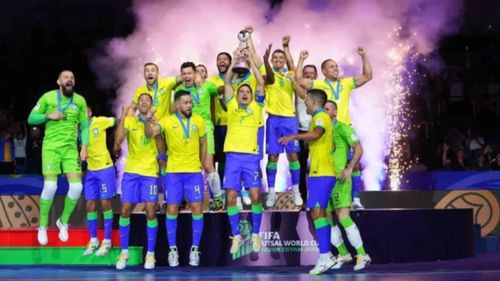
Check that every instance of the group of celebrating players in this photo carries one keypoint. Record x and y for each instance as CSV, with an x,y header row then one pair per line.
x,y
177,127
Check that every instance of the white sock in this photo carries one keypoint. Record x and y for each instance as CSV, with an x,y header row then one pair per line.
x,y
214,183
150,253
354,236
295,188
106,241
336,236
271,190
94,240
324,256
125,251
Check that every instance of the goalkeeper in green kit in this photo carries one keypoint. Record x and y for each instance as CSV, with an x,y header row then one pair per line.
x,y
340,202
63,111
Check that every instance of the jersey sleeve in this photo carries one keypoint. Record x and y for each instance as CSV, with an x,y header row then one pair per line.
x,y
349,135
110,122
319,122
349,83
37,115
202,131
128,123
83,119
211,88
137,93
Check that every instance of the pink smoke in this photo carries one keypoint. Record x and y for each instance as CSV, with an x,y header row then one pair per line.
x,y
170,32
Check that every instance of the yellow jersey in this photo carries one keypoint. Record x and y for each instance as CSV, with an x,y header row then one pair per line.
x,y
183,142
142,152
248,79
279,96
321,150
161,93
98,154
220,113
340,92
242,127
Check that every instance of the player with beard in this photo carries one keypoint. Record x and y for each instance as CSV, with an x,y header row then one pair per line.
x,y
161,91
202,94
61,110
139,182
185,137
223,61
339,90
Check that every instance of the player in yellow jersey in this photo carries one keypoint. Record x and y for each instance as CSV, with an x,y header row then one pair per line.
x,y
161,91
223,61
321,174
100,183
281,120
139,182
203,93
339,90
186,138
242,151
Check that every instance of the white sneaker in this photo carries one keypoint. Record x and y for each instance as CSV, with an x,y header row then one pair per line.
x,y
297,199
122,261
236,244
246,197
194,257
256,244
63,231
356,204
341,260
239,204
104,249
362,262
91,247
322,265
173,257
150,261
42,235
271,199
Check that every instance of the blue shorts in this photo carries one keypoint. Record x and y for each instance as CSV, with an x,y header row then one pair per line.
x,y
241,168
138,189
180,184
260,142
100,184
319,191
277,127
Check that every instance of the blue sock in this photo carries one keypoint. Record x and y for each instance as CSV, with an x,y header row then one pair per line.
x,y
256,217
294,168
172,230
234,219
323,231
108,224
152,231
124,232
92,224
197,225
356,183
271,169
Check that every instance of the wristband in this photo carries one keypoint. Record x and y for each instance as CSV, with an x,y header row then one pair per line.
x,y
162,157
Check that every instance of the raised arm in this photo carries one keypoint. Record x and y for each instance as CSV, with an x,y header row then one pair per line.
x,y
120,131
288,55
303,82
251,46
269,78
83,119
299,91
228,78
367,74
255,69
152,129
